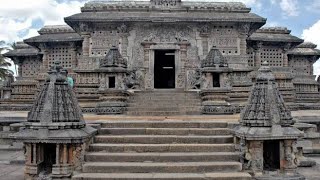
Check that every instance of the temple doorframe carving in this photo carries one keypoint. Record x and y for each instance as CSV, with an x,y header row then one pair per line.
x,y
149,53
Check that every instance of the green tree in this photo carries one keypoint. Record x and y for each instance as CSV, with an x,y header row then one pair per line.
x,y
4,64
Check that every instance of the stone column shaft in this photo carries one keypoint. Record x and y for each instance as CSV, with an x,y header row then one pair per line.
x,y
29,153
86,44
65,154
34,159
243,45
57,154
45,62
205,46
285,59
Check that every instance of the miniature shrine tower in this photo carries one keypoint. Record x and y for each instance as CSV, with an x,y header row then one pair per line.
x,y
267,139
55,134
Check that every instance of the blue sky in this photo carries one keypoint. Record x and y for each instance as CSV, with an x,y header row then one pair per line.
x,y
20,19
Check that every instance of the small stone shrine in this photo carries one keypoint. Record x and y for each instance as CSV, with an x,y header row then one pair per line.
x,y
266,137
55,135
215,83
112,74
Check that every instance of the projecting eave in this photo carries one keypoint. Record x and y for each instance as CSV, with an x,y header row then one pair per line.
x,y
275,38
164,17
304,52
54,38
21,53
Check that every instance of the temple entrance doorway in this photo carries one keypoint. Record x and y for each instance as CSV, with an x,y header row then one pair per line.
x,y
164,69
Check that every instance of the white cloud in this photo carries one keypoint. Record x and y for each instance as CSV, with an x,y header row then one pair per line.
x,y
17,16
311,34
289,7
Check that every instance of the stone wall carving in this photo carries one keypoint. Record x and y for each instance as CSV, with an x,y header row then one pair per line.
x,y
194,79
134,80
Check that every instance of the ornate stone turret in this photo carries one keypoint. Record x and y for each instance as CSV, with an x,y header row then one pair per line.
x,y
112,89
215,83
265,105
55,134
113,59
265,135
214,59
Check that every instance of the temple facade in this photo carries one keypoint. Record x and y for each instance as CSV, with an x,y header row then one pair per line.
x,y
212,49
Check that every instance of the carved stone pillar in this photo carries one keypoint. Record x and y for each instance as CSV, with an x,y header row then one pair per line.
x,y
257,54
57,154
289,157
20,69
28,154
146,65
73,50
285,54
45,63
34,151
124,44
205,46
243,35
65,154
256,153
181,83
86,44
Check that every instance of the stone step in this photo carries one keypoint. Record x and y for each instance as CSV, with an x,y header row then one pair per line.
x,y
162,139
167,97
165,94
153,113
164,176
163,104
160,167
161,113
164,124
129,147
166,131
161,157
166,109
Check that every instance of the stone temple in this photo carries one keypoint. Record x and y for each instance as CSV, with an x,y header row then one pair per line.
x,y
164,58
121,53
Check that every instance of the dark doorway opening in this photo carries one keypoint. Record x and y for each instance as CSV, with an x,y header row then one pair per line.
x,y
271,155
49,158
215,80
112,82
164,69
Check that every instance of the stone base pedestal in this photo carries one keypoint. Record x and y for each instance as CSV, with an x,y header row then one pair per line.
x,y
31,171
112,102
213,109
214,101
61,171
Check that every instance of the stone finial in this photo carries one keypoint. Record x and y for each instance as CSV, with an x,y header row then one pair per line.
x,y
56,102
113,59
265,105
214,58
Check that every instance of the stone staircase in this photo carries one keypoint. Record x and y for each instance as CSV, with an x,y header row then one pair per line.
x,y
162,150
164,103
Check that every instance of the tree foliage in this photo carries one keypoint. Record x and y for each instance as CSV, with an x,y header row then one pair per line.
x,y
4,64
